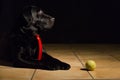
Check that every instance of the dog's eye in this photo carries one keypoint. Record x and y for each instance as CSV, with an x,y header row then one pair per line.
x,y
40,16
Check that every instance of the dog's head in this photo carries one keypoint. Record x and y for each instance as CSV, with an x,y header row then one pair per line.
x,y
36,19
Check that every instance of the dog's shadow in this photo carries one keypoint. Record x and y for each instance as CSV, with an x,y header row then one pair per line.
x,y
6,63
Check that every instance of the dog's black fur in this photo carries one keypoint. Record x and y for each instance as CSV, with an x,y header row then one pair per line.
x,y
24,45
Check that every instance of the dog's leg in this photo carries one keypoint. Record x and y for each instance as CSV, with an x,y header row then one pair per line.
x,y
47,62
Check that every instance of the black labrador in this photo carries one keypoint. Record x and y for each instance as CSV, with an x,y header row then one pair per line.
x,y
24,46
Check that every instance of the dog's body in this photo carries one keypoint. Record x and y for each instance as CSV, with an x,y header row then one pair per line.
x,y
24,46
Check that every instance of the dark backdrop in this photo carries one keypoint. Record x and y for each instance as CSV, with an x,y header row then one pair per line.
x,y
77,21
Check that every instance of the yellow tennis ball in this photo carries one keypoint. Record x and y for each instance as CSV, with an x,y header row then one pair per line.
x,y
90,65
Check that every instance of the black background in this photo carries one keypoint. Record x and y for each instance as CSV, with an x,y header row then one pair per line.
x,y
77,21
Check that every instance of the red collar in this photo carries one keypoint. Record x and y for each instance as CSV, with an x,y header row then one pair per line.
x,y
39,47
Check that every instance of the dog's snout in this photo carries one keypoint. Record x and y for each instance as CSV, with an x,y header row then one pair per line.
x,y
53,19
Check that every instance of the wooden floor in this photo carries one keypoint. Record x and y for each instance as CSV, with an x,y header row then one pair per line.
x,y
106,56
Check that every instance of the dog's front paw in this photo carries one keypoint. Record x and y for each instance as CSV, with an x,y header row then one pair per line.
x,y
51,63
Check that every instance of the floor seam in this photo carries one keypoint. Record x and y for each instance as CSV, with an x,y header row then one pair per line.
x,y
83,65
115,57
33,74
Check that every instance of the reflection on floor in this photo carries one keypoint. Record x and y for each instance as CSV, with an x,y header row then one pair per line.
x,y
106,56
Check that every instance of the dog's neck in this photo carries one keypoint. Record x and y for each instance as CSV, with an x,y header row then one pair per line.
x,y
29,30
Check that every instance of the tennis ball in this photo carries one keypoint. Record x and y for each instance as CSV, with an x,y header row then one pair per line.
x,y
90,65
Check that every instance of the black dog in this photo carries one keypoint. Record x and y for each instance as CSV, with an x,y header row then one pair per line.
x,y
24,48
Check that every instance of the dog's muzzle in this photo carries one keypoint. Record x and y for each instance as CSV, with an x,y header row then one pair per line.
x,y
50,24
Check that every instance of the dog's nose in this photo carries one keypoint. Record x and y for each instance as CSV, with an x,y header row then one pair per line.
x,y
53,19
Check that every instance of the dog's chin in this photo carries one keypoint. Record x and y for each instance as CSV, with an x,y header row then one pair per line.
x,y
48,27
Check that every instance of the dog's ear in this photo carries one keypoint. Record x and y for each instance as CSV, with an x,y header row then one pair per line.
x,y
27,13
